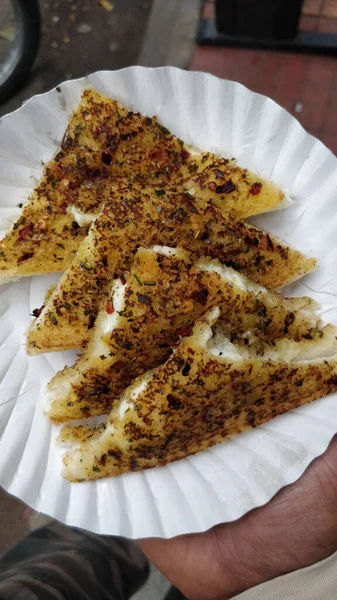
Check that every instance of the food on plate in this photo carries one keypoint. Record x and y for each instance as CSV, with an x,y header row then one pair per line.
x,y
136,216
207,391
170,294
146,315
103,144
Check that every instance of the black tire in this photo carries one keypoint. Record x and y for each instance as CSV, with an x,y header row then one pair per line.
x,y
15,71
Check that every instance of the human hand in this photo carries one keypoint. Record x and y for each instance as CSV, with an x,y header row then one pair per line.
x,y
297,528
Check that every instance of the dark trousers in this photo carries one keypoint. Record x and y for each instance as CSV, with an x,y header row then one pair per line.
x,y
59,563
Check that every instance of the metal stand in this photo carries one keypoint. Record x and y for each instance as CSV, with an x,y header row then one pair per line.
x,y
305,41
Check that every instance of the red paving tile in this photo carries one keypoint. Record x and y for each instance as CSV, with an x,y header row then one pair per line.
x,y
309,23
308,81
218,61
327,25
318,81
291,78
312,7
330,8
330,116
247,68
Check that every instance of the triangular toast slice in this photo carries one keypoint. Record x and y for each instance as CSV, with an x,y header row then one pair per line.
x,y
164,293
136,216
205,393
105,143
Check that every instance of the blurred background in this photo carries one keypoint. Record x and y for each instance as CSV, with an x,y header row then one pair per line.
x,y
81,36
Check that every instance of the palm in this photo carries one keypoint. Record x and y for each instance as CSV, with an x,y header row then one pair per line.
x,y
297,528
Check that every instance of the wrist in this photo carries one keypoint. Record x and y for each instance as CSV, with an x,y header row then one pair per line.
x,y
296,529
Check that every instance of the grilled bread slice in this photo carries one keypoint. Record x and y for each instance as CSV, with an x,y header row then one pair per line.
x,y
104,143
204,393
164,293
136,216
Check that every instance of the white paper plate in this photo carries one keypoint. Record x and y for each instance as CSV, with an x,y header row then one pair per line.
x,y
223,483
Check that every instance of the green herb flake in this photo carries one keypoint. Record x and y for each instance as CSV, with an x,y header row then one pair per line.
x,y
138,279
61,246
67,305
96,469
180,141
20,205
103,357
52,318
79,128
160,192
180,213
163,129
139,407
85,266
149,283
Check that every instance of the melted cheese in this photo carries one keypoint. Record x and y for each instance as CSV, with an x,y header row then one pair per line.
x,y
80,217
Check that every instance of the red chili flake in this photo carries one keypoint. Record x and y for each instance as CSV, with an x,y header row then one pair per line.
x,y
226,188
255,189
25,256
106,157
109,308
200,296
212,186
74,184
185,155
37,311
182,332
123,280
26,231
90,173
160,155
76,387
59,170
58,156
67,141
63,208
